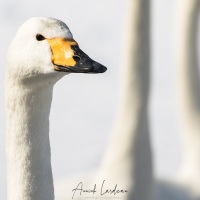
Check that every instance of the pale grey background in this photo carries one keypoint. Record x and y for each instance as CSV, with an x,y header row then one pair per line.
x,y
84,106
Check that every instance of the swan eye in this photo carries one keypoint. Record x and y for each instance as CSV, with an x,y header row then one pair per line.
x,y
40,37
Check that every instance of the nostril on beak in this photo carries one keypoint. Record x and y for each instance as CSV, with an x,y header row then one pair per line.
x,y
76,58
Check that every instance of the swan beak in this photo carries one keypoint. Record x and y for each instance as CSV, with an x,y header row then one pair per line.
x,y
68,57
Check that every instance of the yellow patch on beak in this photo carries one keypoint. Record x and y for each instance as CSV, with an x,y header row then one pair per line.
x,y
62,53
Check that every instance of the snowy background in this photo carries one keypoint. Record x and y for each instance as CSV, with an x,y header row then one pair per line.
x,y
80,128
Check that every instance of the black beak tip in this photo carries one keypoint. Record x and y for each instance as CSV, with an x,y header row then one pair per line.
x,y
98,68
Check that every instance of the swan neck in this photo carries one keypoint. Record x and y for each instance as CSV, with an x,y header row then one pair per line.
x,y
29,173
189,83
128,156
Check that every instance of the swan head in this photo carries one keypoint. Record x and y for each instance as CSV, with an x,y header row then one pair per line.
x,y
44,48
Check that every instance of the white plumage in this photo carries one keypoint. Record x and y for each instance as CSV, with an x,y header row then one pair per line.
x,y
29,82
32,71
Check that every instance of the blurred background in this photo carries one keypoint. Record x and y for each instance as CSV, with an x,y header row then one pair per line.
x,y
84,106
